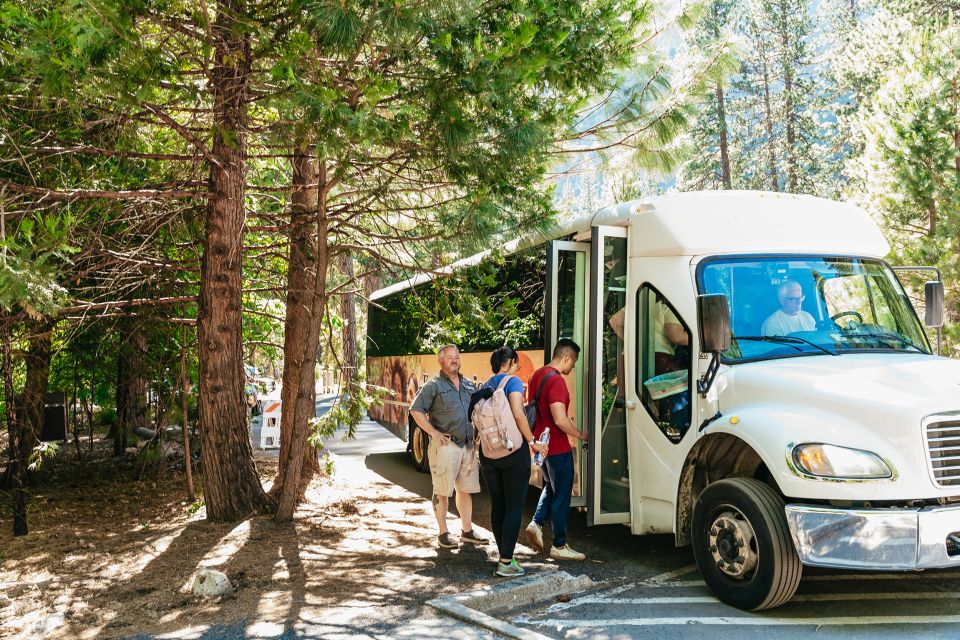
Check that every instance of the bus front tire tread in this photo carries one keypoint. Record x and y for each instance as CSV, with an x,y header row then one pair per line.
x,y
779,569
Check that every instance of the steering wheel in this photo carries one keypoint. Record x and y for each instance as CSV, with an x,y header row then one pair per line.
x,y
856,314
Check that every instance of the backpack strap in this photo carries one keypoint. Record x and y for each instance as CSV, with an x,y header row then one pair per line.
x,y
543,382
503,383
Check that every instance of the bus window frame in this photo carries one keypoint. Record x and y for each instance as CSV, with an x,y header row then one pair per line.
x,y
638,378
745,257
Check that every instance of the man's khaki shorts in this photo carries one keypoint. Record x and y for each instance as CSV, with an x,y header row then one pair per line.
x,y
453,467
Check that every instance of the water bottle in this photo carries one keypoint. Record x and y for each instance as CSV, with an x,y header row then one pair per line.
x,y
543,439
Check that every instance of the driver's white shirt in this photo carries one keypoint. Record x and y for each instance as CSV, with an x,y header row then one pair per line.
x,y
781,324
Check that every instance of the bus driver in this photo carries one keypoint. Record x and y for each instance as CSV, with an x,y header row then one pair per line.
x,y
789,318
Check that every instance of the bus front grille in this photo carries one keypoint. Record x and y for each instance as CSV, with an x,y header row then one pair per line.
x,y
943,449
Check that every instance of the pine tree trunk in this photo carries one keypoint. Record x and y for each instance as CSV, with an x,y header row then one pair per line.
x,y
131,386
184,421
35,391
232,489
16,471
295,472
298,392
348,312
117,428
771,141
790,154
725,177
74,421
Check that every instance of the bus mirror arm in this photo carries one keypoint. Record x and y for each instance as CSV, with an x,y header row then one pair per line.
x,y
713,315
704,383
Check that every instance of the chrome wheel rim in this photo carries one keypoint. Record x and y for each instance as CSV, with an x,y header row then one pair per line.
x,y
733,544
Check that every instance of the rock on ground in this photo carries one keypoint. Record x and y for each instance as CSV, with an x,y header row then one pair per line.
x,y
211,583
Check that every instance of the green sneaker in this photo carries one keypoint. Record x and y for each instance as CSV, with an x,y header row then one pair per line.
x,y
511,570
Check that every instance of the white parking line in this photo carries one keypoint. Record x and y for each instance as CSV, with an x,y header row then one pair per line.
x,y
815,597
669,575
744,621
918,575
668,579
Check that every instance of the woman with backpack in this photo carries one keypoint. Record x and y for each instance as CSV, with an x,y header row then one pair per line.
x,y
508,476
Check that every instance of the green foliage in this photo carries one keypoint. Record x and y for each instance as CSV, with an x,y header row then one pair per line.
x,y
911,157
41,452
499,301
349,410
151,454
107,417
30,261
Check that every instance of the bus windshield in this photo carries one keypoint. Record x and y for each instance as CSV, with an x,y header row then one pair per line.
x,y
784,306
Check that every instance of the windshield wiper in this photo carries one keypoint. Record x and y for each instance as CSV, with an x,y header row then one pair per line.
x,y
903,341
787,340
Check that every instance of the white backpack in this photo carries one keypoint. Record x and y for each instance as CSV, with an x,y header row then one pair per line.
x,y
497,430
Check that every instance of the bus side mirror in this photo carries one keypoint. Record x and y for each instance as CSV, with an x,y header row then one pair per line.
x,y
713,315
933,304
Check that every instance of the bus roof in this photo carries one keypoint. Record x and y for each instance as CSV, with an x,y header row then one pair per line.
x,y
716,222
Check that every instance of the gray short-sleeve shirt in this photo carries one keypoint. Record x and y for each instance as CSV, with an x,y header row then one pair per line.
x,y
446,406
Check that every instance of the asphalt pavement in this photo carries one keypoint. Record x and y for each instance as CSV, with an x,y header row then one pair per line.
x,y
647,588
651,589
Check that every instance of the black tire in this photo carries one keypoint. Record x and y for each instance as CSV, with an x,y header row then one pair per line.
x,y
750,572
420,449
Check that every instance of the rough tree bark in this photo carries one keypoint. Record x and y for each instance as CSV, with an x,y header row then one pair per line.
x,y
232,489
768,115
301,325
184,385
131,386
348,312
725,175
16,471
35,391
790,154
295,473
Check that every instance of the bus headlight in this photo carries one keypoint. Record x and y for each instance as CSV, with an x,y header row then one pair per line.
x,y
831,461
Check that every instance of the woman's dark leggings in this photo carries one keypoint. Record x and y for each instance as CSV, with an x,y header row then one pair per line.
x,y
507,480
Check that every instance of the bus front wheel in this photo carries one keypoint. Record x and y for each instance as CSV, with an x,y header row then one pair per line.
x,y
420,449
743,546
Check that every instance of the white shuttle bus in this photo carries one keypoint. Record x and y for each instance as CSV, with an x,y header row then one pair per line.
x,y
753,375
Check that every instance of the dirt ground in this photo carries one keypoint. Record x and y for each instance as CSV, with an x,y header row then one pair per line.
x,y
112,554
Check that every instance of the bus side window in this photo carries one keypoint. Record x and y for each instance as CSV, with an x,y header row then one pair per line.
x,y
663,380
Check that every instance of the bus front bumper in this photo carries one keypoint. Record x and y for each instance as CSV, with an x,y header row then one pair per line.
x,y
875,539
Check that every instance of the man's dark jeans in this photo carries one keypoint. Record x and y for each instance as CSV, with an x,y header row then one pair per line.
x,y
554,502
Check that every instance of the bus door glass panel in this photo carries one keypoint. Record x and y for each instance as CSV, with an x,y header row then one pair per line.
x,y
566,317
664,383
608,430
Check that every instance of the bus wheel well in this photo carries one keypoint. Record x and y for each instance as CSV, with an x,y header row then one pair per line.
x,y
714,457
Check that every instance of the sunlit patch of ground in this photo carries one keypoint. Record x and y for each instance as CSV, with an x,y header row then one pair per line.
x,y
110,555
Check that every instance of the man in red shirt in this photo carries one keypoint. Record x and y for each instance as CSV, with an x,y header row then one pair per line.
x,y
552,407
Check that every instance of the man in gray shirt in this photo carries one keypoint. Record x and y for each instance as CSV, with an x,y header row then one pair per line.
x,y
440,409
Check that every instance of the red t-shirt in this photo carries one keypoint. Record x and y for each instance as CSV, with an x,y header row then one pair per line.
x,y
555,390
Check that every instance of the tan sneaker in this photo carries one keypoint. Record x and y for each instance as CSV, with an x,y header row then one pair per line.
x,y
535,536
471,536
565,552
